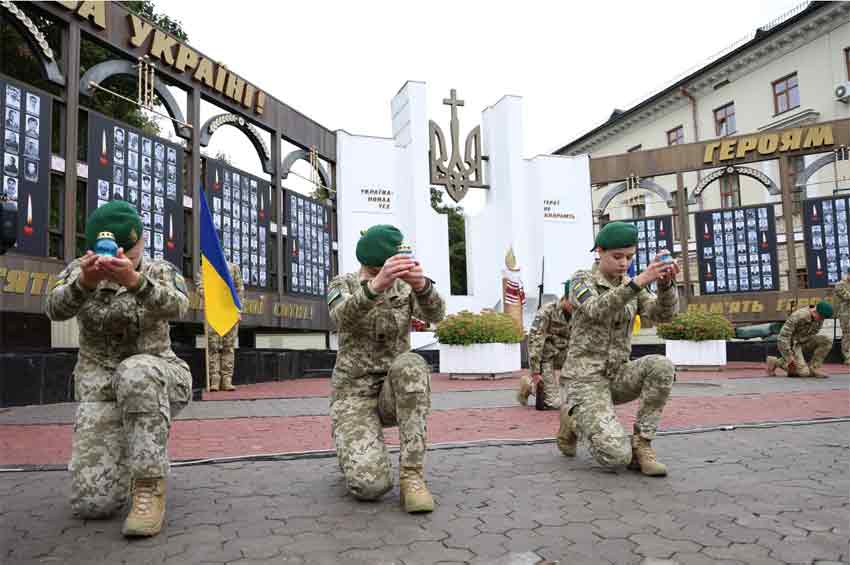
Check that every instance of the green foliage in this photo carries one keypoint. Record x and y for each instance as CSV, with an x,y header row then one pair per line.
x,y
696,326
466,328
457,241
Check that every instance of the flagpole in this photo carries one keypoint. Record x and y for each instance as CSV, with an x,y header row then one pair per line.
x,y
207,354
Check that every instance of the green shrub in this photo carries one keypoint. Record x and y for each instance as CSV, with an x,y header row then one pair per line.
x,y
697,326
466,328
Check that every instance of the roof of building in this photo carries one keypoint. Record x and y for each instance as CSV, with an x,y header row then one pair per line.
x,y
761,34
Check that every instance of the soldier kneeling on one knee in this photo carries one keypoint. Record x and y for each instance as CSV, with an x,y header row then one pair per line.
x,y
598,373
127,379
377,381
800,338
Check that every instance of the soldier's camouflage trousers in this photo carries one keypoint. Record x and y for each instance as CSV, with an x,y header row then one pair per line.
x,y
591,402
844,320
816,348
551,383
115,441
404,400
220,350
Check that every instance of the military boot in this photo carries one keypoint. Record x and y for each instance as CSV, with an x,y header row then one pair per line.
x,y
227,384
148,511
643,458
415,496
816,373
772,364
567,438
524,390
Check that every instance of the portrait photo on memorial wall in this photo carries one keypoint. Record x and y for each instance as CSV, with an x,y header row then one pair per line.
x,y
13,96
158,169
157,241
146,165
118,137
117,192
13,119
157,187
159,204
133,141
102,189
147,148
118,174
146,183
10,164
172,155
32,127
132,178
11,141
31,170
158,224
159,151
171,191
10,188
133,196
146,219
33,104
146,201
132,160
119,156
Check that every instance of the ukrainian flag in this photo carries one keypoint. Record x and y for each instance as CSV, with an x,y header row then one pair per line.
x,y
221,302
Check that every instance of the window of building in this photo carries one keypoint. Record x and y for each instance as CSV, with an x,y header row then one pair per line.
x,y
796,165
724,120
802,278
730,191
638,211
604,219
786,94
676,136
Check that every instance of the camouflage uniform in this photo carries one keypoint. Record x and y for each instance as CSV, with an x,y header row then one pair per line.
x,y
598,372
377,381
221,349
548,340
799,336
842,312
128,381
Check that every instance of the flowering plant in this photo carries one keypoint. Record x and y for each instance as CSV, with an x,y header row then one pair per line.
x,y
696,326
466,328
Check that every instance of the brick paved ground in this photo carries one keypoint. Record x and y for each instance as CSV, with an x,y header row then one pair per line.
x,y
768,496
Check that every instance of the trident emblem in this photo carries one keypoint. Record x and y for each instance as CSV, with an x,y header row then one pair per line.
x,y
457,174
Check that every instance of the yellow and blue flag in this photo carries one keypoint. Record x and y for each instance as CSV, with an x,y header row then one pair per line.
x,y
221,301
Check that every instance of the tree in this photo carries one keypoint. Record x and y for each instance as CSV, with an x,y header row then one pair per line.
x,y
457,241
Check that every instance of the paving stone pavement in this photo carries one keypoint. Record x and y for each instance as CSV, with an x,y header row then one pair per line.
x,y
766,496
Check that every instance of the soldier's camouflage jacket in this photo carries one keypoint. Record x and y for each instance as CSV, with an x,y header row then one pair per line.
x,y
842,298
549,336
799,327
373,332
603,316
116,323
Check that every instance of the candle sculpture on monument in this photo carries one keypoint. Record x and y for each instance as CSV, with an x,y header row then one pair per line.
x,y
513,293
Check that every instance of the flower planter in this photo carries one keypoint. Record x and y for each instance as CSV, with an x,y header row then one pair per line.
x,y
709,353
480,360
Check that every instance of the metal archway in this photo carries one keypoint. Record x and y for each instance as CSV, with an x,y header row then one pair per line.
x,y
37,42
102,71
240,123
765,180
646,184
290,159
819,163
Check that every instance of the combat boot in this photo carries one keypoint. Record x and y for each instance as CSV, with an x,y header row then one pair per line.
x,y
772,364
524,390
227,385
415,496
148,511
567,438
643,458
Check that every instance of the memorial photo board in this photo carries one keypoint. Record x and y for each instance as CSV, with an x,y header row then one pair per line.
x,y
146,171
826,223
25,140
241,207
308,253
654,234
736,250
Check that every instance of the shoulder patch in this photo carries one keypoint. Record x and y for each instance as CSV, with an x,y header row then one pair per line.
x,y
582,293
180,282
333,295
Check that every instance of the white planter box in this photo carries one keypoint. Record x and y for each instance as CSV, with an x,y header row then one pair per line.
x,y
484,358
700,353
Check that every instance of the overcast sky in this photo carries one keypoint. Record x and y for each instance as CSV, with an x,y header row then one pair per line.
x,y
340,63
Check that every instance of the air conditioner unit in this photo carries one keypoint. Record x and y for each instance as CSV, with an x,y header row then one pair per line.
x,y
842,92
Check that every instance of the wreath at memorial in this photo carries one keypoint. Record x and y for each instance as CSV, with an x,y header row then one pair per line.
x,y
467,328
696,326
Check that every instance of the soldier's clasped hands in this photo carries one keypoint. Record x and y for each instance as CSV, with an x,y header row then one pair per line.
x,y
402,267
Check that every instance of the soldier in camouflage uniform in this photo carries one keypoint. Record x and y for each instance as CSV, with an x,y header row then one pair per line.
x,y
841,297
128,381
377,380
548,340
598,372
800,337
220,348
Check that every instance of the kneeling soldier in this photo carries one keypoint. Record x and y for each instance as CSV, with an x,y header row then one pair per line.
x,y
598,371
548,340
128,381
377,381
799,337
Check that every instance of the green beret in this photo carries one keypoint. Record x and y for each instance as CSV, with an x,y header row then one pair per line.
x,y
567,288
616,235
824,308
118,217
377,244
848,270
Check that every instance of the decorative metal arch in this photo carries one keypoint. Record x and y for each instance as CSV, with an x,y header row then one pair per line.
x,y
765,180
102,71
240,123
290,159
804,176
646,184
37,42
